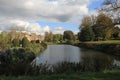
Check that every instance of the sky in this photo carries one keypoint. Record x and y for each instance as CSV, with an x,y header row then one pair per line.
x,y
40,16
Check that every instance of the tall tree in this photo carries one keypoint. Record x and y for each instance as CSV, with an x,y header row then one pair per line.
x,y
86,33
68,35
102,26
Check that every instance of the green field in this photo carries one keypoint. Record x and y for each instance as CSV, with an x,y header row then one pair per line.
x,y
105,42
105,75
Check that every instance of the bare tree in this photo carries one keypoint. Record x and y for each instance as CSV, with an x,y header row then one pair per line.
x,y
110,5
112,8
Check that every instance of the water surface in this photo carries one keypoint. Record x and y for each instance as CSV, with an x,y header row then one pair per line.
x,y
66,53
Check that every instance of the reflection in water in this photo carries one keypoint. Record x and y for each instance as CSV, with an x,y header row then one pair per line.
x,y
96,59
66,53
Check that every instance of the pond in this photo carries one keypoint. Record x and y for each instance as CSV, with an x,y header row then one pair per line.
x,y
55,54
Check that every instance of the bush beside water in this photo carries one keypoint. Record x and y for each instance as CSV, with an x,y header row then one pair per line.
x,y
33,69
17,60
111,48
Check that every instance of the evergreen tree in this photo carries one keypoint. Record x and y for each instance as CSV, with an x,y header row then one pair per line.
x,y
86,33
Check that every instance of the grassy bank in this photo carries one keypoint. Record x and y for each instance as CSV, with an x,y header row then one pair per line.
x,y
105,42
111,47
105,75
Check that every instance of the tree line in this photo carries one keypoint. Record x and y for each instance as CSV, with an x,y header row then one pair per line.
x,y
102,26
67,37
99,27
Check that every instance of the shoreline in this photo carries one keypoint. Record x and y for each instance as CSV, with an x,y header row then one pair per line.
x,y
109,48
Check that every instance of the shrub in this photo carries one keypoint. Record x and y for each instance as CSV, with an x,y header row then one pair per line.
x,y
16,42
25,42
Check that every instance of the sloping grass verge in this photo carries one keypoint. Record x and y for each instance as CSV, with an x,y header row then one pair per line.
x,y
111,47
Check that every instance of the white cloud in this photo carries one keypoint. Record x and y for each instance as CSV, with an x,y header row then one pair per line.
x,y
55,10
29,5
24,26
58,30
19,13
30,27
46,29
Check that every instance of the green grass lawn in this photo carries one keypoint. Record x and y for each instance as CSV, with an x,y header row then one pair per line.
x,y
105,75
105,42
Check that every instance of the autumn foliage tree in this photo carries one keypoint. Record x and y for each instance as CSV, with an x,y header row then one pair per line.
x,y
99,28
102,26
